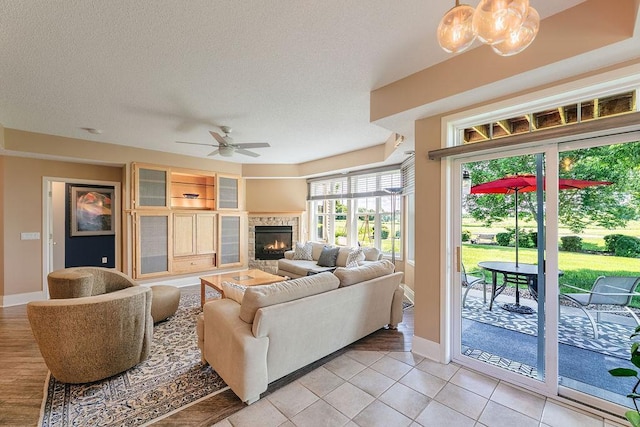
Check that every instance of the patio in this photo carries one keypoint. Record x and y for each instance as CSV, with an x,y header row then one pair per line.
x,y
509,340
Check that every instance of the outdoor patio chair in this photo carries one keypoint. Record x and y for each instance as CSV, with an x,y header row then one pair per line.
x,y
469,282
607,292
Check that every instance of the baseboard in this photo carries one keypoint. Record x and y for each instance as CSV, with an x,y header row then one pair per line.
x,y
184,281
408,293
425,348
21,299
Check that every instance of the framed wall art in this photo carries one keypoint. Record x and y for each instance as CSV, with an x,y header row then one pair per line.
x,y
92,211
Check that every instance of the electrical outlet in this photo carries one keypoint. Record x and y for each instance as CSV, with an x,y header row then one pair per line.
x,y
104,259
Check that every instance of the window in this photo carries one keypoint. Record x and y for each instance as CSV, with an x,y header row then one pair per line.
x,y
356,208
592,109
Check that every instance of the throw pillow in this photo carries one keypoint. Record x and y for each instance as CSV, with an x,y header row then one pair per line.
x,y
354,257
371,254
328,257
302,251
233,291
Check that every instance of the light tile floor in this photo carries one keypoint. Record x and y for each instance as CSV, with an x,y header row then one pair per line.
x,y
371,388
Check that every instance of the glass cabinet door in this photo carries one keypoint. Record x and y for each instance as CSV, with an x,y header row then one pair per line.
x,y
230,240
151,187
152,248
228,192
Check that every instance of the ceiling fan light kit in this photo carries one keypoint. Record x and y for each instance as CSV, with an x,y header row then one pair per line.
x,y
508,26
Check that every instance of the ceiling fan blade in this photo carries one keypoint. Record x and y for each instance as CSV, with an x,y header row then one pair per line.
x,y
196,143
218,137
252,145
247,152
214,152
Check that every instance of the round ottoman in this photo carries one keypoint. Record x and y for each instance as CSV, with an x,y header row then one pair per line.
x,y
164,301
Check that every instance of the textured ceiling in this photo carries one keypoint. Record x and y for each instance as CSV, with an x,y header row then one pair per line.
x,y
296,74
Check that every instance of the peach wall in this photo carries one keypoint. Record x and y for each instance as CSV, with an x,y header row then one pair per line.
x,y
22,185
427,250
276,195
3,180
365,157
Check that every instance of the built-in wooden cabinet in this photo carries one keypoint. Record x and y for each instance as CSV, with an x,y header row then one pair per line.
x,y
178,223
194,241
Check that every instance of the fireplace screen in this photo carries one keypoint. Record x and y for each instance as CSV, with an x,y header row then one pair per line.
x,y
272,241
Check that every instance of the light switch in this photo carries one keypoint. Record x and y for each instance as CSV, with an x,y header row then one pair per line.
x,y
30,236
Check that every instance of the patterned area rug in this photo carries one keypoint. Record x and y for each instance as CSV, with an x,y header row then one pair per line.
x,y
171,378
613,339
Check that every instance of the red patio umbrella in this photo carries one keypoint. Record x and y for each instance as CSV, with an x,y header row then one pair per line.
x,y
514,184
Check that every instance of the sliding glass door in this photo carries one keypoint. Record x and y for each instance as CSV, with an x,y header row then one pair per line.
x,y
547,244
499,292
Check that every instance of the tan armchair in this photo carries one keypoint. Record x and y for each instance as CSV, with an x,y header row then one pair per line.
x,y
98,324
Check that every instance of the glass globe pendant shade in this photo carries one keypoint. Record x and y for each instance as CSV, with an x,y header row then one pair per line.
x,y
455,32
520,39
494,20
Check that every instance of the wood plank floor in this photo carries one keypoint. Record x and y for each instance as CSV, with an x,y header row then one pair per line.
x,y
23,373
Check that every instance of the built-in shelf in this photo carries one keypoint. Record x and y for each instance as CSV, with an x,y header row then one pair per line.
x,y
184,184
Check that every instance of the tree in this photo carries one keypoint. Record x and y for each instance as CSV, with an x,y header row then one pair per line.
x,y
608,206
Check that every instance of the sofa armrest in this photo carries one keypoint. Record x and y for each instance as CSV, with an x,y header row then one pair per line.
x,y
232,350
396,308
288,254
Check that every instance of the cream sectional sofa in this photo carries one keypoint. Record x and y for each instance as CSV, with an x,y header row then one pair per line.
x,y
280,328
293,268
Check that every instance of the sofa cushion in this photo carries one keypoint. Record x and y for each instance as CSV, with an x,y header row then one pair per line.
x,y
233,291
351,276
300,268
328,257
256,297
371,254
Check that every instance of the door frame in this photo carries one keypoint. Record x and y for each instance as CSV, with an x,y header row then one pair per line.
x,y
48,215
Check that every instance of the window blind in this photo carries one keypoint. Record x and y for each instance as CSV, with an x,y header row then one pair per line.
x,y
408,170
355,185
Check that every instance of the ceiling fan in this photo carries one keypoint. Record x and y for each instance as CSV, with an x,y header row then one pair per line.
x,y
226,147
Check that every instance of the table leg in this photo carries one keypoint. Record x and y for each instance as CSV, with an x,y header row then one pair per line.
x,y
202,291
517,294
494,284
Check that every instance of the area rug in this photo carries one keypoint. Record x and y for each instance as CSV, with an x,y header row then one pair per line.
x,y
573,330
171,378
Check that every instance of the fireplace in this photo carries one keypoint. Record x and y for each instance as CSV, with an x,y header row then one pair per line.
x,y
272,241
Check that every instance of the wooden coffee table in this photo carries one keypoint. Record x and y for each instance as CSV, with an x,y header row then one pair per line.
x,y
247,278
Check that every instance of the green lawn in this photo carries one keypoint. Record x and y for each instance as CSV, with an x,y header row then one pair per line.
x,y
579,269
592,238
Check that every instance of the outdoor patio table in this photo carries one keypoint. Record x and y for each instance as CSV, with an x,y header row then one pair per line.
x,y
520,274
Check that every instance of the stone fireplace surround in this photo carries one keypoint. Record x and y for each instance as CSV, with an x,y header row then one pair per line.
x,y
292,219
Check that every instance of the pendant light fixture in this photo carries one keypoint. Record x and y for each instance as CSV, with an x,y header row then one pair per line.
x,y
509,26
520,39
455,32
